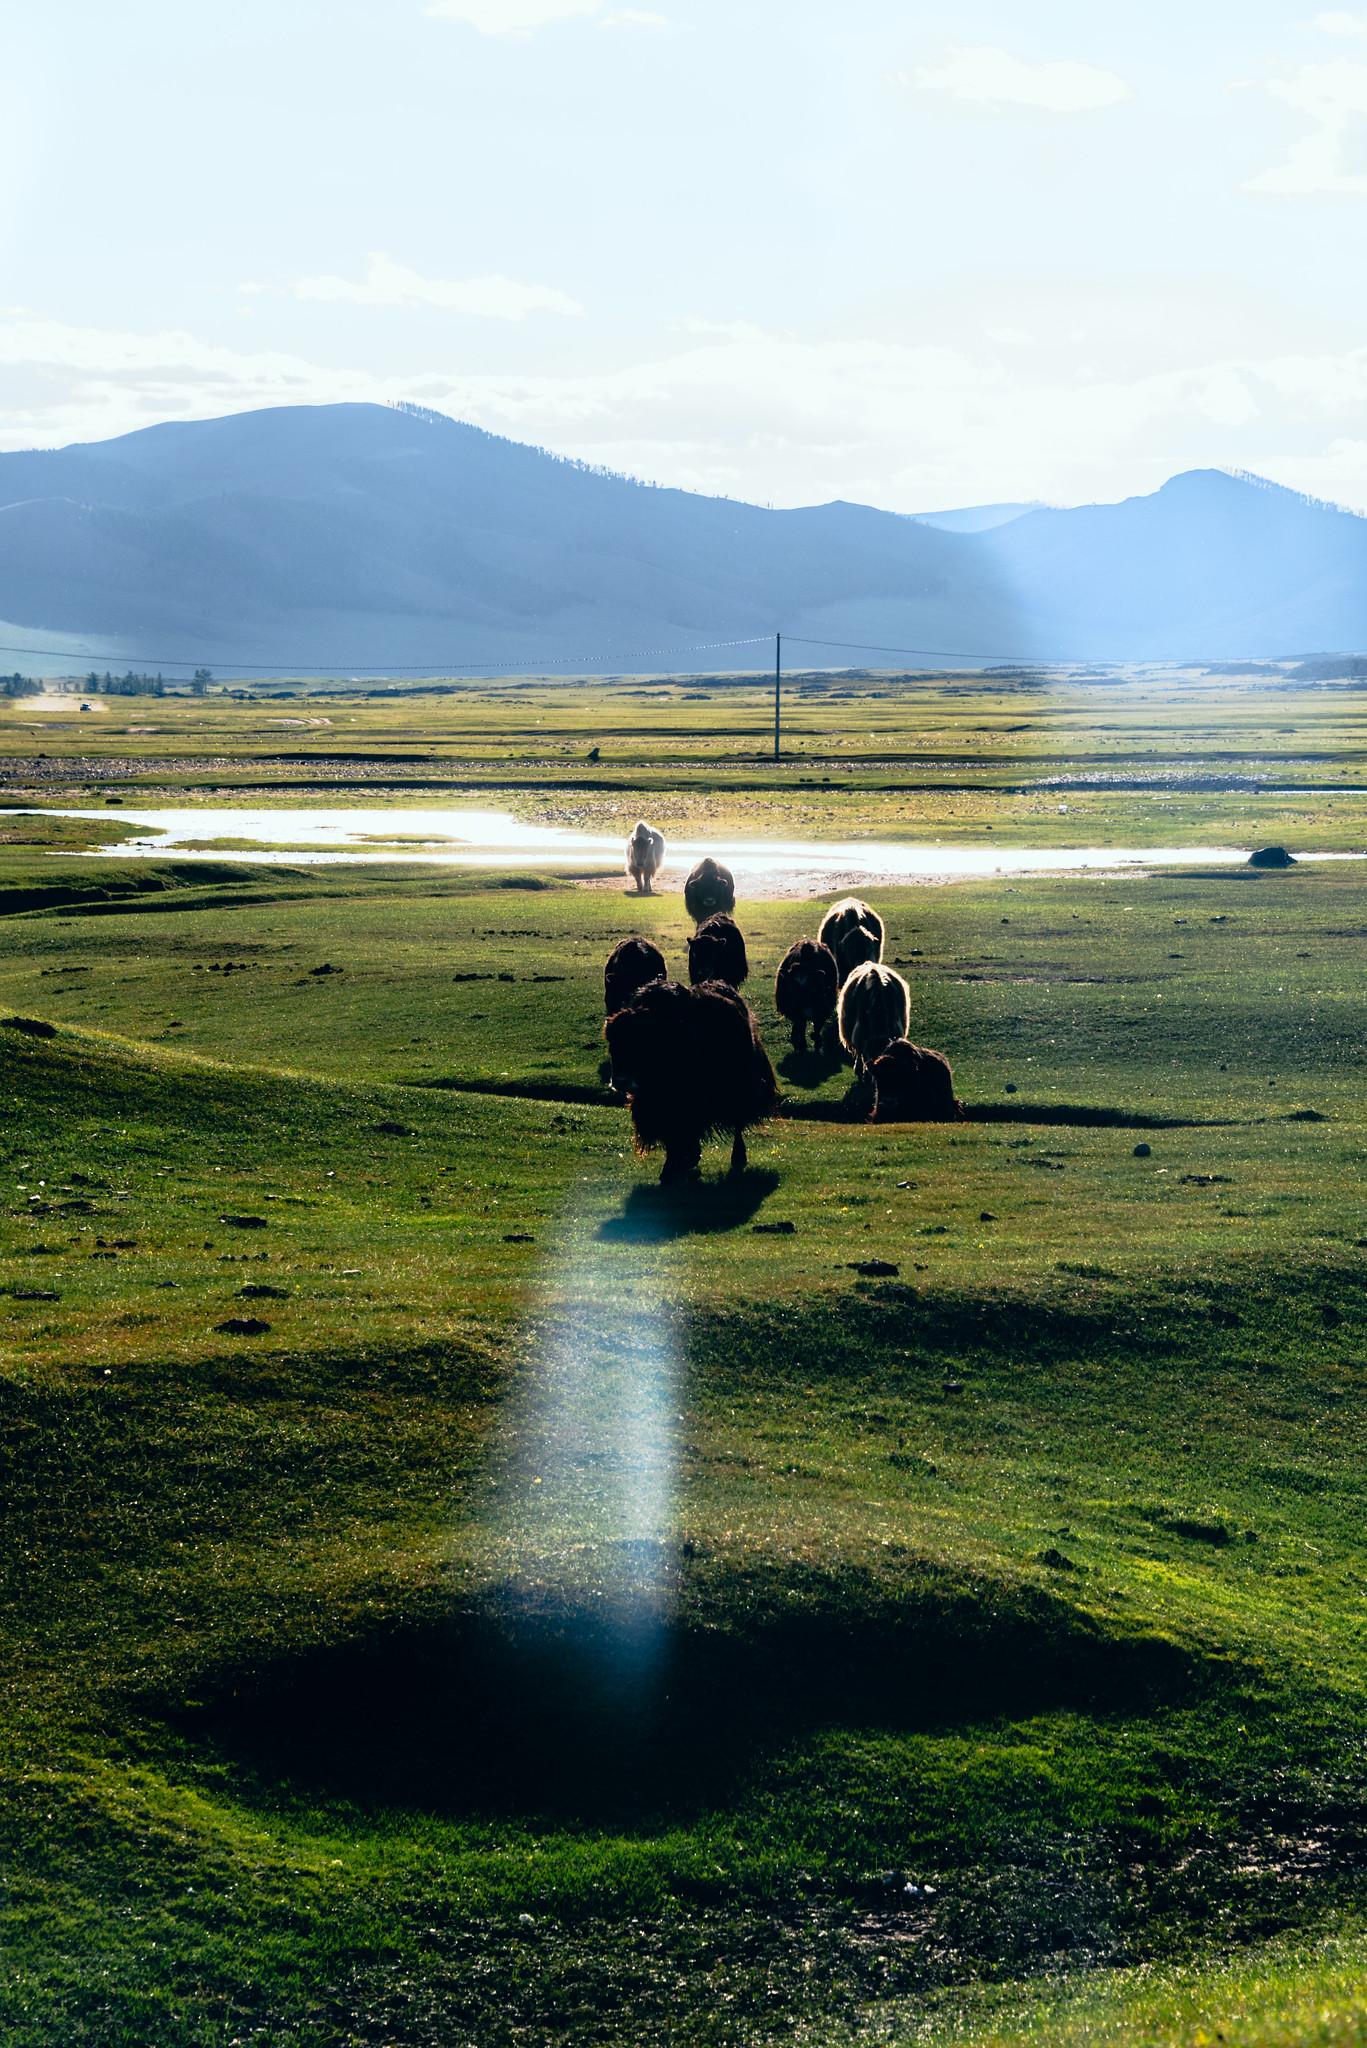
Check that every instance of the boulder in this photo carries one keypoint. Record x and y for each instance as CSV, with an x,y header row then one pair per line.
x,y
1271,857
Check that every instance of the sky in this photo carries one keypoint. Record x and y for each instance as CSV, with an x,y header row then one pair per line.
x,y
914,255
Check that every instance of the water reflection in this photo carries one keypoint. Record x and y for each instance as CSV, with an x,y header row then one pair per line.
x,y
385,834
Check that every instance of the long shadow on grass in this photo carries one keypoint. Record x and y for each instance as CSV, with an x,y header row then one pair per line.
x,y
854,1106
658,1215
522,1704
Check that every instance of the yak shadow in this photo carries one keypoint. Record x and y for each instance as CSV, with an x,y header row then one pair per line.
x,y
851,1108
809,1069
692,1208
857,1101
1088,1116
503,1709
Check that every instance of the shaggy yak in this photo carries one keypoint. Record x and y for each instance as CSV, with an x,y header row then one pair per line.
x,y
645,857
854,934
716,952
875,1004
630,965
690,1064
805,990
913,1085
710,887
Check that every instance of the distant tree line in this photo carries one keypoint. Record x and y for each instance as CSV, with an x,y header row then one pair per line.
x,y
129,685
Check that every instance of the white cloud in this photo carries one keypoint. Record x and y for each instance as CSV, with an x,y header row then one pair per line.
x,y
984,77
1338,472
764,416
511,17
1339,23
634,17
70,383
1333,97
387,283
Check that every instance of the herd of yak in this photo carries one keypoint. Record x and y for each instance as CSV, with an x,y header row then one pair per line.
x,y
688,1060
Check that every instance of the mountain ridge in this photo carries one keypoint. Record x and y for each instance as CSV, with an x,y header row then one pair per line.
x,y
364,535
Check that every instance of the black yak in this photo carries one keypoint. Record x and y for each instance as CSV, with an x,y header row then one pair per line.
x,y
854,934
875,1005
805,990
716,952
645,857
913,1085
690,1064
709,888
630,965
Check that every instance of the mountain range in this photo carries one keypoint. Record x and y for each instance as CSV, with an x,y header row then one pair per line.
x,y
346,537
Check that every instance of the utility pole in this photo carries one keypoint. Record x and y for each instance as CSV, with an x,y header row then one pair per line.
x,y
778,689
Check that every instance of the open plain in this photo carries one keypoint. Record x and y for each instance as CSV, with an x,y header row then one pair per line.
x,y
458,1591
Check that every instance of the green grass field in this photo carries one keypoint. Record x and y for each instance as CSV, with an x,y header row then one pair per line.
x,y
456,1593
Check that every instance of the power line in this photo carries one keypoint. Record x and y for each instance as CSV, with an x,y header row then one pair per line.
x,y
290,665
928,653
284,665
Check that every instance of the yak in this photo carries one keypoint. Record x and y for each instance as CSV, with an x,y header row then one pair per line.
x,y
645,857
689,1063
854,934
709,888
875,1005
912,1085
805,990
629,966
716,952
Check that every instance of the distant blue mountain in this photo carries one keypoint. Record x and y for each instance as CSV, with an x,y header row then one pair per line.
x,y
359,536
1211,565
976,518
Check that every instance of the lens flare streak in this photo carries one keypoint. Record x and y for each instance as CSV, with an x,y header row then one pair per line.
x,y
584,1474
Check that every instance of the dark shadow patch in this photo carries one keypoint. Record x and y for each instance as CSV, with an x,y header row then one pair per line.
x,y
694,1208
32,1027
1089,1116
809,1069
1215,874
524,1704
854,1105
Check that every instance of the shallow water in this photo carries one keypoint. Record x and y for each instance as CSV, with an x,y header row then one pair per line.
x,y
490,839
